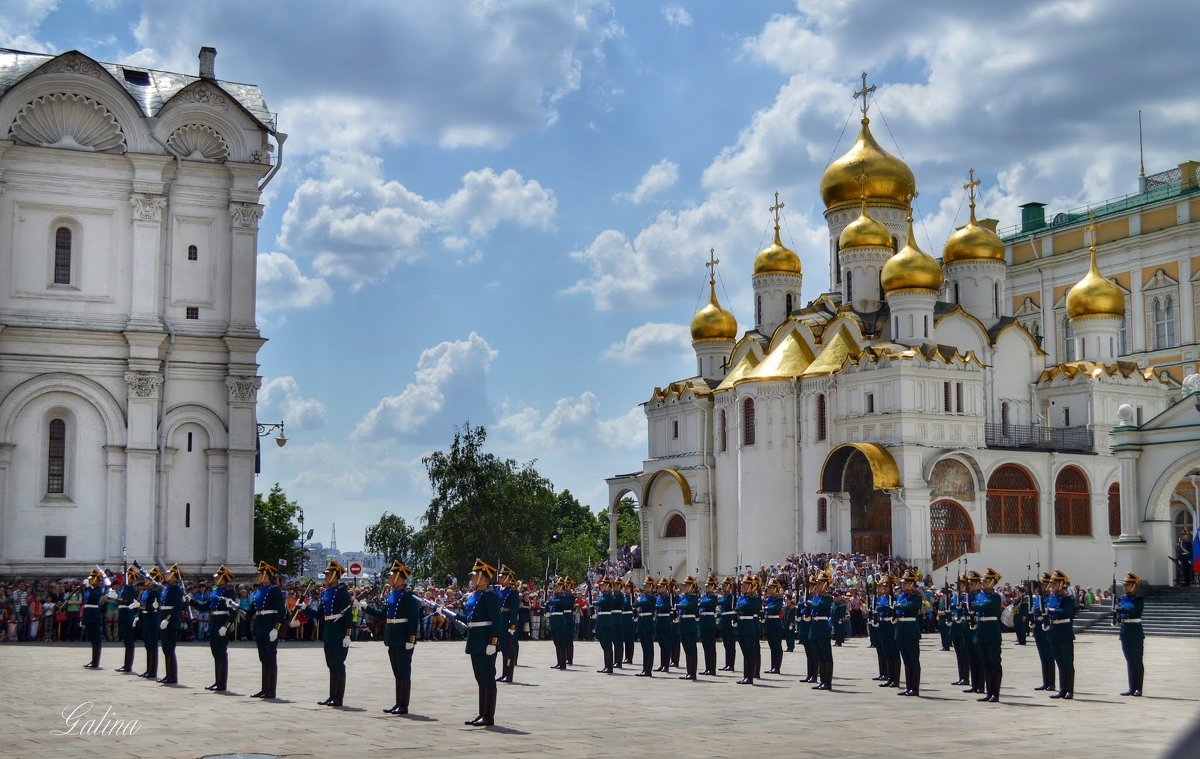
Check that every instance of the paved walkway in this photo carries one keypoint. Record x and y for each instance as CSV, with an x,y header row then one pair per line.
x,y
573,713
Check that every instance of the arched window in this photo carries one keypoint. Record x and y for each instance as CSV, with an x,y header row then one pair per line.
x,y
1004,418
758,309
676,527
193,253
1114,510
724,431
788,304
1124,341
1072,503
1012,502
1068,339
62,256
951,532
1169,318
821,429
1160,324
956,300
822,515
56,470
996,299
748,421
187,515
849,286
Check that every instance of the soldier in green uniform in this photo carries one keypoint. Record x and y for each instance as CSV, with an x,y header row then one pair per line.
x,y
820,629
804,630
170,607
688,614
267,612
885,612
748,607
643,610
485,623
148,620
222,610
92,618
333,609
127,614
510,607
974,656
1128,615
628,625
789,624
728,624
773,624
1041,629
1061,613
840,612
402,619
606,626
708,625
664,609
986,606
943,619
675,639
908,632
560,607
957,619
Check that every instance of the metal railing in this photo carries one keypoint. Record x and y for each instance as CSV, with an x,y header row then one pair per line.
x,y
1038,437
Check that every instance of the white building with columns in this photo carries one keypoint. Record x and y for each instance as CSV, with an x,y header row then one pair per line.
x,y
906,412
128,345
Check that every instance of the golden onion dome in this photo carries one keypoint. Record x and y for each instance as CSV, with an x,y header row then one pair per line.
x,y
973,243
888,179
776,259
713,322
864,232
1094,295
911,268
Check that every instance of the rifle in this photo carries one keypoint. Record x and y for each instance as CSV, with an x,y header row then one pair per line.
x,y
1113,621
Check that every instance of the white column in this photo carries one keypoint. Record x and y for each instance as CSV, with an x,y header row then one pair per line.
x,y
141,475
218,517
1185,314
243,266
1130,517
145,258
115,502
243,433
6,450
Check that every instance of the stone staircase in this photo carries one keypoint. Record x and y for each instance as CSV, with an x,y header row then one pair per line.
x,y
1169,612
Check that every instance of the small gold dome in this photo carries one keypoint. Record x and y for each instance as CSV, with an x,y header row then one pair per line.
x,y
1094,295
888,178
973,243
713,322
864,232
776,259
911,268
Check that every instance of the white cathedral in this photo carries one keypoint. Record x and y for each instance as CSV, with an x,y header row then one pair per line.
x,y
906,413
129,208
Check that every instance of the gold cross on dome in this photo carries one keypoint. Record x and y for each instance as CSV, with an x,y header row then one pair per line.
x,y
712,265
775,209
1092,228
863,93
971,185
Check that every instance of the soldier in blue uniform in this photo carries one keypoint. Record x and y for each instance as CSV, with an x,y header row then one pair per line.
x,y
148,620
402,619
1060,610
559,608
267,611
885,638
789,624
840,612
644,611
908,632
333,609
874,632
628,626
748,607
804,630
222,606
944,608
728,622
93,620
957,620
773,624
127,613
974,656
510,608
676,641
985,606
170,607
485,623
1041,629
688,614
708,625
607,603
1129,616
820,629
663,629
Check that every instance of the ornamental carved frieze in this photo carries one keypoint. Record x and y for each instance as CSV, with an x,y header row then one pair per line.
x,y
245,215
203,95
243,389
147,207
71,63
143,385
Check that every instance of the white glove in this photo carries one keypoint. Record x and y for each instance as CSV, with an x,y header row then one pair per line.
x,y
222,630
187,597
361,604
135,605
163,624
273,635
490,649
410,645
135,621
112,594
346,642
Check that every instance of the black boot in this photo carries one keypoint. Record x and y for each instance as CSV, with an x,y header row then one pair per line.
x,y
489,708
996,678
95,656
405,692
272,677
478,717
262,691
222,675
332,689
340,696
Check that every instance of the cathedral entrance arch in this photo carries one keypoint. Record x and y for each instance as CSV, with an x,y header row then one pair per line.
x,y
951,532
626,536
864,471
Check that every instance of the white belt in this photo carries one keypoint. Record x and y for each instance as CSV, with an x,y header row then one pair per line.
x,y
125,606
484,623
751,616
889,620
97,606
334,617
603,613
630,613
665,614
907,619
988,619
1066,622
727,613
1131,621
825,619
161,608
565,613
397,621
687,616
215,613
266,611
708,614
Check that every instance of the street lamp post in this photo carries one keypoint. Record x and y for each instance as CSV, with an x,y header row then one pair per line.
x,y
263,431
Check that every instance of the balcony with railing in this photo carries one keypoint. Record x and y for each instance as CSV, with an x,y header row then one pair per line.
x,y
1039,438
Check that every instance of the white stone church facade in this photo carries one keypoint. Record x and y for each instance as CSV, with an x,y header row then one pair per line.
x,y
907,412
128,345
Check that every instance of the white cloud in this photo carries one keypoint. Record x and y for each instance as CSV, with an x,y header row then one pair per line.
x,y
449,388
19,24
660,177
651,340
281,396
574,423
677,15
358,226
281,285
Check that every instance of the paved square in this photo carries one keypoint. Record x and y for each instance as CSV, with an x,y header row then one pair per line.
x,y
581,713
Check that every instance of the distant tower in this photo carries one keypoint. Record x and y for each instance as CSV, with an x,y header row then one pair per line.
x,y
333,539
1096,308
974,266
713,330
777,279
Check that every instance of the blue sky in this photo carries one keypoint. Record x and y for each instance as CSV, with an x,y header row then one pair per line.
x,y
500,211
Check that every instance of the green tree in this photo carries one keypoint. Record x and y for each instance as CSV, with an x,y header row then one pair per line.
x,y
629,523
275,533
390,537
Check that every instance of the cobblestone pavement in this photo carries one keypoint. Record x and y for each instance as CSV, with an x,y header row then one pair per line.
x,y
581,713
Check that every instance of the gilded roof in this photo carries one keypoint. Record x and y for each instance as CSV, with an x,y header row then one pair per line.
x,y
789,359
833,355
748,362
1097,370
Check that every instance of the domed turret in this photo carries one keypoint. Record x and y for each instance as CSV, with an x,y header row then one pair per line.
x,y
776,259
713,322
889,179
911,268
1094,295
973,242
713,330
864,232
